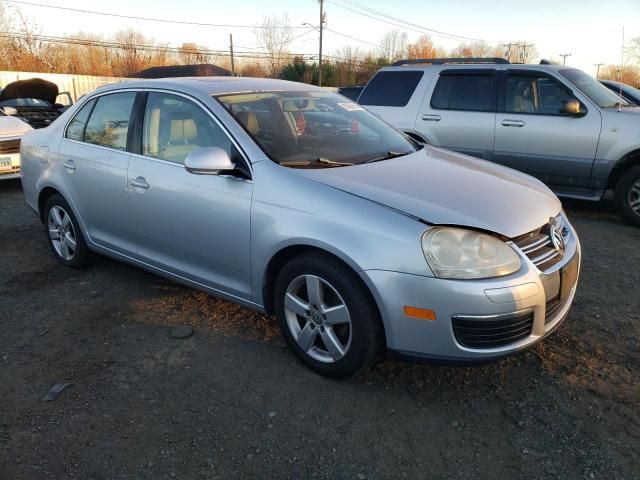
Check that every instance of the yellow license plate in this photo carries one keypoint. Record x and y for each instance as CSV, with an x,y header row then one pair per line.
x,y
5,163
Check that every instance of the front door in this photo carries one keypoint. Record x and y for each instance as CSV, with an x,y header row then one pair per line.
x,y
534,136
194,226
94,167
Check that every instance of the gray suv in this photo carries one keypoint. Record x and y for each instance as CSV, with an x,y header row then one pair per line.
x,y
553,122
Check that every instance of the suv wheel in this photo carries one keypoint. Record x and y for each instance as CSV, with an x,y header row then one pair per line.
x,y
65,237
327,316
627,196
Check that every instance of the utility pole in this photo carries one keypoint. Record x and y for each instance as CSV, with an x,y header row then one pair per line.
x,y
508,45
523,53
598,65
320,53
564,57
233,69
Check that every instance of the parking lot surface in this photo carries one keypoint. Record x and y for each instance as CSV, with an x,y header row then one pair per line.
x,y
232,402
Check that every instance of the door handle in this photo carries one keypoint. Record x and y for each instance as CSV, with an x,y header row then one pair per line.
x,y
69,165
513,123
431,118
139,182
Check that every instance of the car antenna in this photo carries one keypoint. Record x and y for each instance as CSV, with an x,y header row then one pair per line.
x,y
621,67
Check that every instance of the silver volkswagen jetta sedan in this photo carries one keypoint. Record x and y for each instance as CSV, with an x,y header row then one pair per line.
x,y
296,201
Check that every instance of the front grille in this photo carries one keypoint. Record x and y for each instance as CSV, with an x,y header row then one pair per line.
x,y
551,309
489,333
9,146
39,117
538,245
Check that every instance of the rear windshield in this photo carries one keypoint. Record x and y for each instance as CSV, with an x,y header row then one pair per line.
x,y
391,88
298,128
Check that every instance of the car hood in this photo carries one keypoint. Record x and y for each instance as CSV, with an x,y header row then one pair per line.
x,y
447,188
11,126
32,88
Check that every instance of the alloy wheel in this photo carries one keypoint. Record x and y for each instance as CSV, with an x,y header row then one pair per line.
x,y
318,318
634,197
61,232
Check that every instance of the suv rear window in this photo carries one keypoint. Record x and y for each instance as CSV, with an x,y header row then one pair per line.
x,y
473,92
390,89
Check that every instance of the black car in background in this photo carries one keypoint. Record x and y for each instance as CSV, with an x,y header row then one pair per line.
x,y
34,99
629,94
352,93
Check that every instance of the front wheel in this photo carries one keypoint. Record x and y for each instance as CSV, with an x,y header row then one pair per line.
x,y
627,196
327,316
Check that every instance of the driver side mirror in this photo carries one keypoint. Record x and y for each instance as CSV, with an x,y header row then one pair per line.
x,y
208,161
10,111
572,107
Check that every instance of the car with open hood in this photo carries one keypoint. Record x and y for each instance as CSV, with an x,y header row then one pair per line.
x,y
11,131
34,100
298,202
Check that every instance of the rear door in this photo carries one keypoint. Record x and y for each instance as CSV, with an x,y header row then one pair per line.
x,y
459,111
534,136
94,164
194,226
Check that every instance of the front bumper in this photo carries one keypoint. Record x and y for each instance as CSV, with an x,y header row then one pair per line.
x,y
530,297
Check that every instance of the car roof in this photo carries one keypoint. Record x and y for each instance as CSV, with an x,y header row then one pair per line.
x,y
475,66
215,85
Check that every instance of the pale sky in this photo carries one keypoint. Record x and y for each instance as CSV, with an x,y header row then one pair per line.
x,y
591,30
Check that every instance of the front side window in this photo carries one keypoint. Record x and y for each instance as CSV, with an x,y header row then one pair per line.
x,y
174,127
108,124
75,130
470,92
530,93
391,88
314,129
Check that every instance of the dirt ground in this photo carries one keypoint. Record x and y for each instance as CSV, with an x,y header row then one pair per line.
x,y
232,402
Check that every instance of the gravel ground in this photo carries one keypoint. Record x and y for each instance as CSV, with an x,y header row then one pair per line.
x,y
232,402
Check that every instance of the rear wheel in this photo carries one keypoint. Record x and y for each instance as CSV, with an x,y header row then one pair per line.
x,y
65,237
327,316
627,196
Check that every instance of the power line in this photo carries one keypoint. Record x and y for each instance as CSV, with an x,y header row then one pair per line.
x,y
352,38
133,17
162,48
398,22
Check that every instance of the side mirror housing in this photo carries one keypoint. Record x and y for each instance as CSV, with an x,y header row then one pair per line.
x,y
208,161
10,111
572,107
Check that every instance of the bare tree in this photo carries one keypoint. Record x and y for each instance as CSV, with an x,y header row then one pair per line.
x,y
393,45
629,74
190,54
274,35
633,50
131,57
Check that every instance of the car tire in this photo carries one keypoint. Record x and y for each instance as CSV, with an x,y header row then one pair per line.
x,y
65,237
333,341
627,196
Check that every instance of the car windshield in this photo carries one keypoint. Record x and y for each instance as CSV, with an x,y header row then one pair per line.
x,y
24,102
598,93
315,129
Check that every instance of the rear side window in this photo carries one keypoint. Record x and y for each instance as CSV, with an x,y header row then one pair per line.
x,y
109,122
75,130
472,92
391,88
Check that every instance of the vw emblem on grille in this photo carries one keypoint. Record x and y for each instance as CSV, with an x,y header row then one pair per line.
x,y
556,238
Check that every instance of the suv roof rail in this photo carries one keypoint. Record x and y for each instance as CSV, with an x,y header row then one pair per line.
x,y
442,61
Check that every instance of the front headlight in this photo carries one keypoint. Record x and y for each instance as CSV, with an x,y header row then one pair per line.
x,y
465,254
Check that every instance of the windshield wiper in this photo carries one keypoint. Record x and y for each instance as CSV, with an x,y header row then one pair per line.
x,y
388,156
317,161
